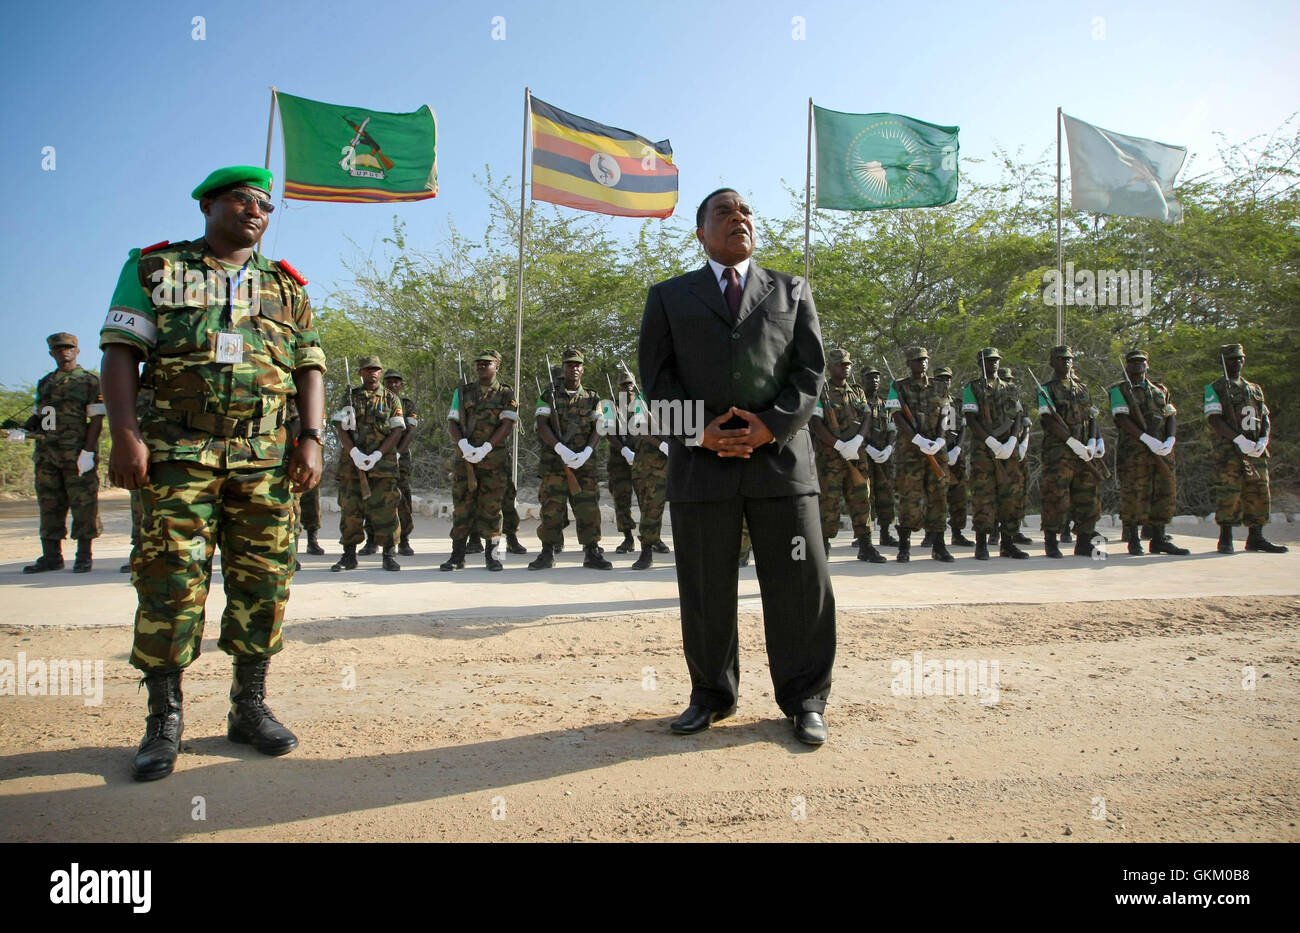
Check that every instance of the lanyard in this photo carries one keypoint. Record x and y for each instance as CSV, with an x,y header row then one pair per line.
x,y
232,285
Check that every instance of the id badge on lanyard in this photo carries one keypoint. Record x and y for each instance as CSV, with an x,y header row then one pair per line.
x,y
230,342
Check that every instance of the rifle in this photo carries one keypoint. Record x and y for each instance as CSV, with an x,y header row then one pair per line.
x,y
649,412
1247,468
1099,469
1136,414
855,476
910,420
471,478
364,481
569,476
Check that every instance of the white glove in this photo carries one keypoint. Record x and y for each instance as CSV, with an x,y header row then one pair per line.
x,y
85,462
1082,452
1092,449
1101,448
346,418
663,448
373,460
992,444
17,434
886,454
565,453
359,458
484,450
1247,447
466,449
1167,447
953,455
873,453
848,450
1261,445
937,445
854,444
1153,445
1009,447
581,457
922,443
1022,448
628,454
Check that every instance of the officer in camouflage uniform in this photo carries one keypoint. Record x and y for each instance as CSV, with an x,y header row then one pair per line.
x,y
568,426
405,514
1144,464
841,423
880,451
1026,423
1071,442
998,433
226,336
958,462
65,424
481,418
649,473
370,425
922,482
1239,419
622,454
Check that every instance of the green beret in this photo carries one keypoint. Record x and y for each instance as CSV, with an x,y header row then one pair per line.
x,y
917,353
1136,355
1232,350
369,362
1062,352
572,356
493,356
61,339
232,175
943,372
989,353
839,355
394,374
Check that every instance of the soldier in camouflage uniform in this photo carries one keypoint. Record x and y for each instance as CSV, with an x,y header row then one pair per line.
x,y
405,514
999,439
622,454
370,425
226,336
568,426
880,451
1071,441
481,418
841,423
922,478
1239,419
65,425
1023,428
958,462
1144,464
649,470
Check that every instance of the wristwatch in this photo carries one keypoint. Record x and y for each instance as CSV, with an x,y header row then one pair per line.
x,y
313,433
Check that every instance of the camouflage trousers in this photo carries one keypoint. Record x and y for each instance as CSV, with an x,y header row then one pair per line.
x,y
553,493
405,518
137,517
882,491
650,477
380,510
478,512
959,492
997,491
1241,499
1147,493
838,491
620,490
187,512
509,514
309,508
922,496
59,491
1070,493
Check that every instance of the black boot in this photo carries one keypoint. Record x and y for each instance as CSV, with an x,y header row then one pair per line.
x,y
369,547
313,545
1050,547
1146,532
1161,543
474,545
250,721
628,545
928,540
349,559
995,537
390,559
981,545
51,557
1255,541
867,552
82,562
404,547
1083,543
125,568
826,546
489,556
886,539
593,559
161,744
940,551
1007,547
513,546
904,545
545,560
559,545
660,547
1066,537
457,559
1225,540
959,539
1021,538
743,560
647,558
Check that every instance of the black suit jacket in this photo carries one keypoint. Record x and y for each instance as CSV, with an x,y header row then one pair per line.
x,y
770,362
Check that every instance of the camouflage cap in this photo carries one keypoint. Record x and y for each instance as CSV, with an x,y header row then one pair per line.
x,y
988,353
943,372
493,356
1232,351
1004,372
61,339
1136,355
917,353
233,175
1062,352
871,372
369,362
394,374
839,355
625,378
572,356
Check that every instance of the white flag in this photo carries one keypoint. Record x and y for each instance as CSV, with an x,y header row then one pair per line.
x,y
1126,175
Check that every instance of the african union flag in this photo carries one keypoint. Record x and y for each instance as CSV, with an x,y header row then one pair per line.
x,y
583,164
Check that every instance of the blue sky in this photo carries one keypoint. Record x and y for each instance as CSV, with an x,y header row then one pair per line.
x,y
138,111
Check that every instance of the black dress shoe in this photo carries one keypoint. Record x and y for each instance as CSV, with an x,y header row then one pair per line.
x,y
697,719
810,728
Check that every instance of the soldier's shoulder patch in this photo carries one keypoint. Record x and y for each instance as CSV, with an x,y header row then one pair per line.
x,y
163,244
292,272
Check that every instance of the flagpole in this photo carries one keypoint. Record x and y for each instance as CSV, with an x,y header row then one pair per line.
x,y
519,306
270,125
1060,269
807,200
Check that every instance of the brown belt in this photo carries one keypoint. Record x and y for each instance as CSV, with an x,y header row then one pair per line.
x,y
221,426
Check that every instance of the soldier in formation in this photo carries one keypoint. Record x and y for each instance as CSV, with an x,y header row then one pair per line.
x,y
1073,458
999,441
879,448
394,383
622,455
958,462
917,405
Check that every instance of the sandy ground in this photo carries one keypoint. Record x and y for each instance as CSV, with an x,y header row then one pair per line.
x,y
1131,699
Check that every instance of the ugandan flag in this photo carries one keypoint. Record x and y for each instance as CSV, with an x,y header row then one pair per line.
x,y
580,163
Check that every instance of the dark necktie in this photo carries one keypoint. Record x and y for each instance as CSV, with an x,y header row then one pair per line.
x,y
732,291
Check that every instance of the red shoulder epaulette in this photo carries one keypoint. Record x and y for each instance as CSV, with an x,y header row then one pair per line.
x,y
296,275
152,249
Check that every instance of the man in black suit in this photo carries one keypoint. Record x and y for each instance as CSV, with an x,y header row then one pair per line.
x,y
745,342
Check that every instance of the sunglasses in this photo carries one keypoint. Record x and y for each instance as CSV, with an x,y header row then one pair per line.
x,y
244,198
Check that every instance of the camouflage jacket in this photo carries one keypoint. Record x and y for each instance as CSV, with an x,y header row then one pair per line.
x,y
996,403
379,413
65,403
480,412
1073,403
845,406
1152,400
883,428
926,400
576,413
171,304
1245,411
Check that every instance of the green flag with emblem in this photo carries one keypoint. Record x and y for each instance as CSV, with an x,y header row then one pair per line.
x,y
880,161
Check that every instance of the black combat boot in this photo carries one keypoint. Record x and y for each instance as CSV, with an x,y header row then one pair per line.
x,y
868,552
489,555
250,721
125,568
660,547
886,539
904,545
1255,541
1007,547
390,559
404,547
161,744
981,545
940,550
826,546
313,545
1146,532
474,545
959,539
457,559
928,540
1021,538
559,545
82,562
1161,543
349,559
51,557
1134,542
593,559
545,560
1225,540
628,545
513,546
1066,537
1083,543
995,537
369,547
647,558
743,561
1050,547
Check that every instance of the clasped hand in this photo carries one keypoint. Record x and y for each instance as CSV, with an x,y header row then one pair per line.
x,y
736,442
